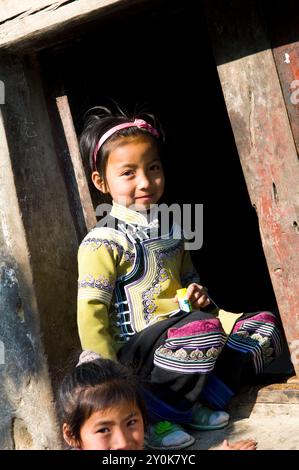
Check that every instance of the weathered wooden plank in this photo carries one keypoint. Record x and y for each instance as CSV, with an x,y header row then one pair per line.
x,y
24,30
265,144
283,30
24,378
274,393
53,87
72,142
44,205
287,63
11,8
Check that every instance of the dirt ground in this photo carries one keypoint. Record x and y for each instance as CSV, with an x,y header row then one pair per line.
x,y
267,413
275,427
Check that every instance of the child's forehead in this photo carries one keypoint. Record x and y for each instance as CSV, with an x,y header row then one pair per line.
x,y
127,148
123,141
119,411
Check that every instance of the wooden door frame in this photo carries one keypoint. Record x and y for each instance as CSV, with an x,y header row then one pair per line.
x,y
258,114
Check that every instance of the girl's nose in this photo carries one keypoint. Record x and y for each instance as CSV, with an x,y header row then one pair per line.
x,y
143,182
120,441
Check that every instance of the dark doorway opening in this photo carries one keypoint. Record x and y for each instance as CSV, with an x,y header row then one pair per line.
x,y
162,55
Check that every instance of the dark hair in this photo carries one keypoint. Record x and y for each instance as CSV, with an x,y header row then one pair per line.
x,y
94,386
102,120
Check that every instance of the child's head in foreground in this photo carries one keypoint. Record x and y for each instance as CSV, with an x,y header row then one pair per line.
x,y
101,406
124,156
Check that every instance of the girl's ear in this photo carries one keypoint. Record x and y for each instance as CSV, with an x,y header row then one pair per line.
x,y
99,182
67,437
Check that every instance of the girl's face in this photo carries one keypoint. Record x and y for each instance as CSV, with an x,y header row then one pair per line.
x,y
120,428
134,173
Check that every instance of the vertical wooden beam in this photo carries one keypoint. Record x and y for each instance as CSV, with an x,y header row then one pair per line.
x,y
66,147
286,59
72,142
24,375
265,143
44,206
283,30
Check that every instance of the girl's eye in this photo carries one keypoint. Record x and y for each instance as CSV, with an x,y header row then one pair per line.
x,y
132,422
103,430
155,167
128,173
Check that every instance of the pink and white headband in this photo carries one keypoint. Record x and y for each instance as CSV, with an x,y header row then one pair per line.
x,y
137,123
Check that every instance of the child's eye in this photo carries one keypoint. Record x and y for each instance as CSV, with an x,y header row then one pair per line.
x,y
103,430
132,422
155,167
128,173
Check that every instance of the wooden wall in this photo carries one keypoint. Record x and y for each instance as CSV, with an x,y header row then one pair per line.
x,y
265,142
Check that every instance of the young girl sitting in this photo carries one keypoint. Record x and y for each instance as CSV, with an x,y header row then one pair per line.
x,y
129,272
102,408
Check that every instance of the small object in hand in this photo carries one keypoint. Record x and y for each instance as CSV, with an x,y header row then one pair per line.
x,y
184,303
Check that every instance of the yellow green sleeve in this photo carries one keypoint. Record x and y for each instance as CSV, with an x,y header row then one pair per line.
x,y
97,274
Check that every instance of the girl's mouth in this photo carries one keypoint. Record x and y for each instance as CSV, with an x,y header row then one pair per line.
x,y
145,197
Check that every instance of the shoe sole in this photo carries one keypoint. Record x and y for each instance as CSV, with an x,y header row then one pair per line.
x,y
181,446
201,427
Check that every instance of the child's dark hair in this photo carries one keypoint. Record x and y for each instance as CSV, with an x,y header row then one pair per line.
x,y
95,386
100,120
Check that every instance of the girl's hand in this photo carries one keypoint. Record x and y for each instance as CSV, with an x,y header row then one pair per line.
x,y
246,444
197,295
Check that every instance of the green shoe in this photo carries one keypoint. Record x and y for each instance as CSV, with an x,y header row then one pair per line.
x,y
165,435
205,419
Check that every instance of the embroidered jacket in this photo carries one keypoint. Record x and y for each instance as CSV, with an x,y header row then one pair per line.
x,y
129,272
